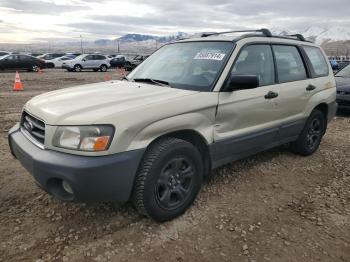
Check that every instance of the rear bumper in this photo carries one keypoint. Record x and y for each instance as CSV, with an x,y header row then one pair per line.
x,y
93,179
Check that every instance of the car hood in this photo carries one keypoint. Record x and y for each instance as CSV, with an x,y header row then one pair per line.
x,y
343,83
90,104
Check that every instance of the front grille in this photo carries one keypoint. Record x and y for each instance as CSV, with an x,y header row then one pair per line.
x,y
33,126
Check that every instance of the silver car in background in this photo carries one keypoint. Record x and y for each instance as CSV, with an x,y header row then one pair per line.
x,y
87,61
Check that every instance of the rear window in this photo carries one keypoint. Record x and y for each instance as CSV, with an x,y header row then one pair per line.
x,y
318,62
290,66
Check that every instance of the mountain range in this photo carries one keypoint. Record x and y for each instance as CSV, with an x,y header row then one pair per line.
x,y
316,34
321,35
129,38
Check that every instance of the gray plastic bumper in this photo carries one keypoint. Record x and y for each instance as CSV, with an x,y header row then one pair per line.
x,y
98,178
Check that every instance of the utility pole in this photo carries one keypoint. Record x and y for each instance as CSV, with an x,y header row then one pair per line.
x,y
118,45
81,44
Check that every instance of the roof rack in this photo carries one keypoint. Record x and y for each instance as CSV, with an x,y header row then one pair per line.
x,y
298,36
264,31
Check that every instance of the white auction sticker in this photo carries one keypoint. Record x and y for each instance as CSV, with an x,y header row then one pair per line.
x,y
209,56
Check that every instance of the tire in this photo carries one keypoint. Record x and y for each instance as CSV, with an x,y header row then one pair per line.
x,y
50,65
311,136
103,68
168,180
77,68
35,68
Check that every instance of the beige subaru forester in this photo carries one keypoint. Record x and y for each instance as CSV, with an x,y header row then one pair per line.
x,y
192,106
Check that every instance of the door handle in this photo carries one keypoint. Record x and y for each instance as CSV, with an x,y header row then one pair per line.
x,y
310,87
271,95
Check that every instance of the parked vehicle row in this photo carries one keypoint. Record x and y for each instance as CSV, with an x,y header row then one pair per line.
x,y
69,61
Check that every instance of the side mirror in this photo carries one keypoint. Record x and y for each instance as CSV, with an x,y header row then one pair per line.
x,y
239,82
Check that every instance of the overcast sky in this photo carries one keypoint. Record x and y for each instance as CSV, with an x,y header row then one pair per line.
x,y
39,20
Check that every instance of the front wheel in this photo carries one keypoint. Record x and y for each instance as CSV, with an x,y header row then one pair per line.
x,y
168,180
103,68
311,136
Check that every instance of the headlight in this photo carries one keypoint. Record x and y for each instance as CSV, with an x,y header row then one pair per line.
x,y
84,138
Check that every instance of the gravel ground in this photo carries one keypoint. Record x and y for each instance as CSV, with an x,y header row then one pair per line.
x,y
274,206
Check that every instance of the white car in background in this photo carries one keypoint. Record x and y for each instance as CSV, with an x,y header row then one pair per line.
x,y
57,62
87,61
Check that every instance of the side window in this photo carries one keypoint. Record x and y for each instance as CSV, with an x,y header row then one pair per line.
x,y
100,57
89,57
317,60
290,66
256,60
23,57
12,57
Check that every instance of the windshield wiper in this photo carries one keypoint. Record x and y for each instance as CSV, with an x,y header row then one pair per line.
x,y
151,80
125,78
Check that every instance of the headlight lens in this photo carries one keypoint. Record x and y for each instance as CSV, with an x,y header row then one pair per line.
x,y
84,138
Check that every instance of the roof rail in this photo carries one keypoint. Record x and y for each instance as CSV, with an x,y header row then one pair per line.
x,y
298,36
264,31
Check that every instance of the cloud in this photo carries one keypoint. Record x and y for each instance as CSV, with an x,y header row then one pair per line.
x,y
41,7
110,19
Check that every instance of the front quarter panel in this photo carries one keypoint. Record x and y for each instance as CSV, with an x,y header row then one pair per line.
x,y
195,113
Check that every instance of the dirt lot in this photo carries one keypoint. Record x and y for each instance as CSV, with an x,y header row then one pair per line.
x,y
274,206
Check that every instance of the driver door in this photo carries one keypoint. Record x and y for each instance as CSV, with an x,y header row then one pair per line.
x,y
247,119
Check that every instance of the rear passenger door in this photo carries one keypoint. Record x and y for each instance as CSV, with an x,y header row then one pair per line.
x,y
293,83
98,60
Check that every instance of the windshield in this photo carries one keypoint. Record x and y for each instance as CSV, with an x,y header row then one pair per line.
x,y
345,72
187,65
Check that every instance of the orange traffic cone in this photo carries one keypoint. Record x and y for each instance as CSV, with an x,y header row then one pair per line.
x,y
17,86
107,77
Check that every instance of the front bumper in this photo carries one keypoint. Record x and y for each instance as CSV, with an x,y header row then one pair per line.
x,y
93,179
343,101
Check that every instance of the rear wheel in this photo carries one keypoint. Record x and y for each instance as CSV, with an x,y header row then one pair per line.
x,y
103,68
169,179
77,68
311,136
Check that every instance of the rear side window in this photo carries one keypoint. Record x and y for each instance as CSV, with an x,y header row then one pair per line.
x,y
99,57
318,62
290,66
256,60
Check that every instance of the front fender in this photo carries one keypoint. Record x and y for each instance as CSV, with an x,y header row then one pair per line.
x,y
198,122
